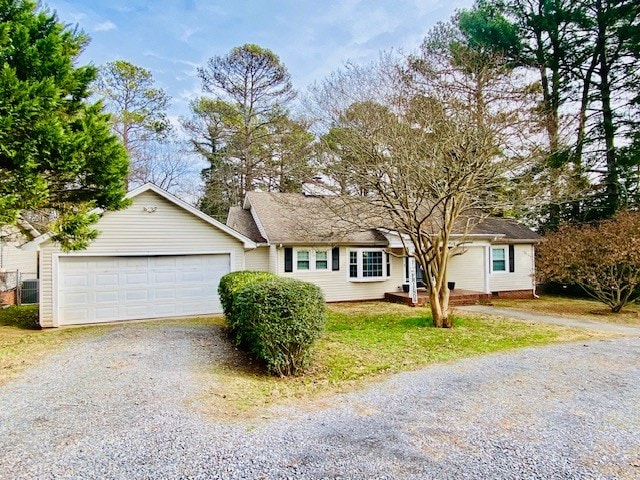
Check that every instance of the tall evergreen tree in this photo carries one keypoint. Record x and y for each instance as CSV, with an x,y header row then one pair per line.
x,y
244,128
57,155
138,112
587,58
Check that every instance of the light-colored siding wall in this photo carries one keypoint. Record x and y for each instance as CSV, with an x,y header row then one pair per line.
x,y
336,285
522,277
169,229
468,269
24,260
257,259
12,258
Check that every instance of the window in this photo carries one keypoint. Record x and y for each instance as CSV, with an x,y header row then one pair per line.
x,y
302,260
322,262
369,265
498,259
353,264
308,259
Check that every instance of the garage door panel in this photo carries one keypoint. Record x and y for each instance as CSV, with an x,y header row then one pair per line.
x,y
107,297
165,278
102,289
106,279
104,314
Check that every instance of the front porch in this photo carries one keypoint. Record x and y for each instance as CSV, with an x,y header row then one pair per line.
x,y
457,297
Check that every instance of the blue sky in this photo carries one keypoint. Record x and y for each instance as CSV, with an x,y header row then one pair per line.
x,y
312,38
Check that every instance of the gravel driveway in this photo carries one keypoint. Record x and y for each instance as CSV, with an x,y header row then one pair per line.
x,y
120,405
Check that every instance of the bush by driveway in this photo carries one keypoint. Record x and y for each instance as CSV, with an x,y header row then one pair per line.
x,y
125,404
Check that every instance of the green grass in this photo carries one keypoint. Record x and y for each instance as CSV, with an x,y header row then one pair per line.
x,y
22,343
573,307
25,317
364,342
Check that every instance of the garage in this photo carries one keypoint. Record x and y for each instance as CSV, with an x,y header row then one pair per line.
x,y
158,258
110,288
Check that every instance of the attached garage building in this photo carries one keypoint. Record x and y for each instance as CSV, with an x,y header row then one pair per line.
x,y
158,258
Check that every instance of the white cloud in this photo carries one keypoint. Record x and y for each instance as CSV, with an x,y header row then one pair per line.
x,y
105,26
187,33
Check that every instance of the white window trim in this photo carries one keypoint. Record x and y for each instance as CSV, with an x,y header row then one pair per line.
x,y
506,259
312,259
360,278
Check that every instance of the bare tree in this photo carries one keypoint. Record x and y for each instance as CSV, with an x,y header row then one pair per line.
x,y
426,151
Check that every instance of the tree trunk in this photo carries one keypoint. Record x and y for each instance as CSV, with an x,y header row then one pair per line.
x,y
612,185
439,302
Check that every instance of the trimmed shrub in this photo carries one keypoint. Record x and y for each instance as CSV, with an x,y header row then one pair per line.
x,y
229,285
278,320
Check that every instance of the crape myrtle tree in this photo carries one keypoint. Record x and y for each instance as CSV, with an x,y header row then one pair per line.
x,y
601,258
424,149
58,158
244,129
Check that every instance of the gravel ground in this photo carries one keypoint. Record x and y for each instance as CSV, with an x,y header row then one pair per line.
x,y
120,406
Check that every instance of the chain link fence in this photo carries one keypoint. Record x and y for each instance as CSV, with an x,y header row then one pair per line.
x,y
18,287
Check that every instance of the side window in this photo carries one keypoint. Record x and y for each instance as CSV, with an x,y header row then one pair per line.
x,y
353,264
498,259
302,260
322,260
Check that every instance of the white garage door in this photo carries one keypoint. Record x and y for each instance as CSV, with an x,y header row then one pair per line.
x,y
106,289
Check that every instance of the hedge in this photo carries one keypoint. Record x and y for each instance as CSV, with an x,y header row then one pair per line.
x,y
229,285
276,319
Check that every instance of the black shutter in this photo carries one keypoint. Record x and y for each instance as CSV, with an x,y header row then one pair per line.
x,y
288,259
512,258
335,259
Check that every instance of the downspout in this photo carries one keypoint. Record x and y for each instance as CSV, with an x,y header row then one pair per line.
x,y
533,270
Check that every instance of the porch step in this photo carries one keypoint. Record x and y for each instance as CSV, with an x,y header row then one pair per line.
x,y
457,298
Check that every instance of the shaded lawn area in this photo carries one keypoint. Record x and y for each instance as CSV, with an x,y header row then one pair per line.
x,y
364,342
22,343
573,307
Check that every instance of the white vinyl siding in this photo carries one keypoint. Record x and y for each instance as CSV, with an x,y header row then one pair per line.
x,y
12,258
336,285
257,259
167,230
468,270
522,276
26,261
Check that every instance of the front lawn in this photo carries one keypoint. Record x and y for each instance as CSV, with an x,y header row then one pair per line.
x,y
22,343
365,341
573,307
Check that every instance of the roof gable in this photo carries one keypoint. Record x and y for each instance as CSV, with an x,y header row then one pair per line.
x,y
149,187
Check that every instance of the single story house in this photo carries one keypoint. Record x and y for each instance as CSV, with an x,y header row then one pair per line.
x,y
294,240
161,257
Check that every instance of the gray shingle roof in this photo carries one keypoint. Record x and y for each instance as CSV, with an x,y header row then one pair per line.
x,y
242,221
510,228
289,218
